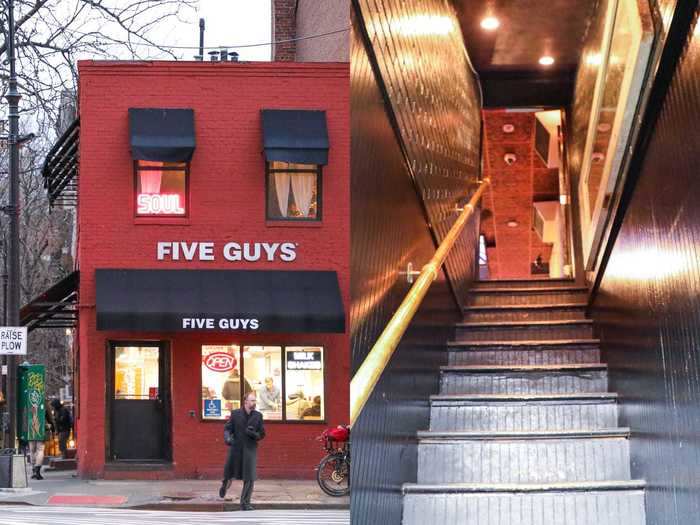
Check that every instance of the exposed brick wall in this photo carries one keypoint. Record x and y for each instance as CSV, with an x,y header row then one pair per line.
x,y
227,203
284,27
512,193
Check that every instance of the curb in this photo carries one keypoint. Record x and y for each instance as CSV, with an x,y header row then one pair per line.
x,y
230,506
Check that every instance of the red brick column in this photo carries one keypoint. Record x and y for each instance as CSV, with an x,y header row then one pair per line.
x,y
284,27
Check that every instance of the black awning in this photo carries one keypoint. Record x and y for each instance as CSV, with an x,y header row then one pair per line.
x,y
55,308
296,136
165,135
219,300
60,170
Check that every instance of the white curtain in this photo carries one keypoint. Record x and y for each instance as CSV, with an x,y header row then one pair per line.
x,y
150,181
303,189
282,189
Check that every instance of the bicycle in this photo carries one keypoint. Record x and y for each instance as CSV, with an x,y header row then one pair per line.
x,y
333,472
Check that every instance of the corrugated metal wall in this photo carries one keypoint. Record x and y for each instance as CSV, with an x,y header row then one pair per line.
x,y
415,153
648,304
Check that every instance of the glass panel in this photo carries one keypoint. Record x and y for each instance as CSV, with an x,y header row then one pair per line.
x,y
161,191
221,380
262,367
136,372
292,195
621,49
304,383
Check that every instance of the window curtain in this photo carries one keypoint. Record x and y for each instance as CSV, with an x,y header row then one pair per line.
x,y
303,190
282,189
150,181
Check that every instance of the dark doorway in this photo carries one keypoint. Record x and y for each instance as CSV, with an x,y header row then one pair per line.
x,y
139,398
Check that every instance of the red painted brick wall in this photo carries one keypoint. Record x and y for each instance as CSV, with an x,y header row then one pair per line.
x,y
284,27
227,203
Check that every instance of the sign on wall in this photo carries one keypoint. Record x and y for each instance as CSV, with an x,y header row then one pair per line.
x,y
13,340
231,251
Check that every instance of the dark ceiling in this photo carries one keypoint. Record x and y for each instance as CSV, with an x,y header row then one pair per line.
x,y
507,58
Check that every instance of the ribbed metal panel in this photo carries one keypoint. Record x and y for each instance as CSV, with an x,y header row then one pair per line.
x,y
624,507
489,298
489,314
527,356
523,416
524,461
562,382
524,332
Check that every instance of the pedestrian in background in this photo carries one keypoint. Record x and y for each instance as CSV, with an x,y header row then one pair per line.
x,y
36,446
242,432
63,423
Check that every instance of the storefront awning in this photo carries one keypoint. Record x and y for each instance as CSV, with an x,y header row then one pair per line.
x,y
219,300
55,308
165,135
296,136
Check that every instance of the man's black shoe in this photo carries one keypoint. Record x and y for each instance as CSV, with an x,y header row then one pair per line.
x,y
247,507
222,490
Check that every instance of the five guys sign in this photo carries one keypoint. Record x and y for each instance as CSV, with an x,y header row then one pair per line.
x,y
231,251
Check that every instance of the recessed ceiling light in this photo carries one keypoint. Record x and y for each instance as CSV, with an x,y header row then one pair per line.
x,y
546,60
490,23
512,223
604,127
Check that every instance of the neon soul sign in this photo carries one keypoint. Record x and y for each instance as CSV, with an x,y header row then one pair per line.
x,y
159,204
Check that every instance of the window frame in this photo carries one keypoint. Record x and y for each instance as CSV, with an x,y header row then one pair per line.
x,y
184,166
319,194
283,347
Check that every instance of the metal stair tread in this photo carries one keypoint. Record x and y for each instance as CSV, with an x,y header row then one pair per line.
x,y
574,486
461,435
602,397
525,342
524,368
555,280
550,306
526,290
524,323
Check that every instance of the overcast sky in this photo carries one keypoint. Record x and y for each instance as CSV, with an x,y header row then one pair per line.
x,y
228,23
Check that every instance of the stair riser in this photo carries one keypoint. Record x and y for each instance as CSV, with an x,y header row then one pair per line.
x,y
523,383
496,417
564,508
534,283
483,298
524,357
545,314
534,333
524,461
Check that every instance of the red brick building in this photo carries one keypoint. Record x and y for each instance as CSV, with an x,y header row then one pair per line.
x,y
213,258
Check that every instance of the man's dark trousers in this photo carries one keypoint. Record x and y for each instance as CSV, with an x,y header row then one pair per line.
x,y
246,492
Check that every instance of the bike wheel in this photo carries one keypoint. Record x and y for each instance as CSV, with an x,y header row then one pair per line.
x,y
333,475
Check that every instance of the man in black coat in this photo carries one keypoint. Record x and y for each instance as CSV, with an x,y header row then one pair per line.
x,y
242,431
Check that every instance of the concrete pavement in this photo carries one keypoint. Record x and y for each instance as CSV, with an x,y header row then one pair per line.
x,y
63,488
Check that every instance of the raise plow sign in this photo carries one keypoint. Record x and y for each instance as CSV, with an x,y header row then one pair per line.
x,y
13,340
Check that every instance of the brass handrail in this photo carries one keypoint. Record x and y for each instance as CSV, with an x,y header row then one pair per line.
x,y
367,376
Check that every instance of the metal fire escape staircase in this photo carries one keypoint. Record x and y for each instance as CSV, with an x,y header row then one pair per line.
x,y
524,430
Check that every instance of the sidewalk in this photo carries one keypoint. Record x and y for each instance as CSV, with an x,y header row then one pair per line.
x,y
62,488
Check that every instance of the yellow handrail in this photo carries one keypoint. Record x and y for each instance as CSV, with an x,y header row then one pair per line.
x,y
366,378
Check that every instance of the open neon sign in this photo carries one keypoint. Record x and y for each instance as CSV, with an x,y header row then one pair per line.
x,y
159,204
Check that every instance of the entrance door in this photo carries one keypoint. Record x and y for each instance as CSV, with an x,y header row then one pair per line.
x,y
140,402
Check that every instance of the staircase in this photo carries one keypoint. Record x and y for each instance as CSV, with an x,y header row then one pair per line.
x,y
524,431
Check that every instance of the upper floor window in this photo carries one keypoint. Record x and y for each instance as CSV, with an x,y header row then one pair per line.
x,y
161,188
296,149
162,144
293,191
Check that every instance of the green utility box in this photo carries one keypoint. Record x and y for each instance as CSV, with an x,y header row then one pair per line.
x,y
31,403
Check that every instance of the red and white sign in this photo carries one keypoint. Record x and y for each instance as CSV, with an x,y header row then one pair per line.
x,y
159,204
220,362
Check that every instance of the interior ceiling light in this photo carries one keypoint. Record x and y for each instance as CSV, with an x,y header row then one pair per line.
x,y
604,127
490,23
546,60
508,128
512,223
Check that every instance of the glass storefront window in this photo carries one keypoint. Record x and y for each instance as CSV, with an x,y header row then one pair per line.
x,y
136,372
262,366
304,382
161,188
287,381
221,381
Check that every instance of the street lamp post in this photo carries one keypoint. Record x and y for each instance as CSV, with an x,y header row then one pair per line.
x,y
12,210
